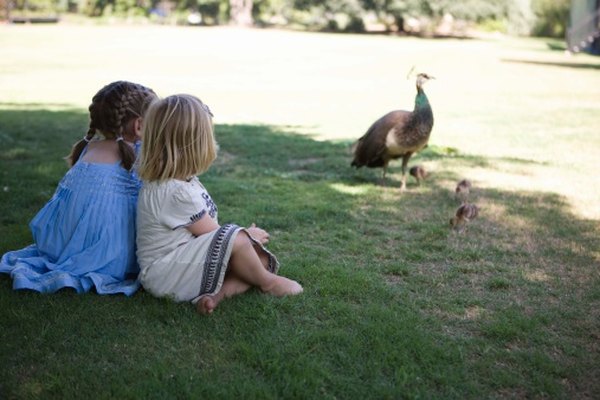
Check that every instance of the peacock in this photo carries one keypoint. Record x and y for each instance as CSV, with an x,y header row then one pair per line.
x,y
398,134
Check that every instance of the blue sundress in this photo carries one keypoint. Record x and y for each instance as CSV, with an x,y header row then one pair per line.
x,y
84,236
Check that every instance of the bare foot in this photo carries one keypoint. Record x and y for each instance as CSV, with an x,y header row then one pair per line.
x,y
281,286
206,305
232,286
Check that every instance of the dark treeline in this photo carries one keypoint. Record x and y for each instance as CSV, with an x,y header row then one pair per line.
x,y
425,17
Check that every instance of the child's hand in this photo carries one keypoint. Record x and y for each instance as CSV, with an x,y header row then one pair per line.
x,y
259,234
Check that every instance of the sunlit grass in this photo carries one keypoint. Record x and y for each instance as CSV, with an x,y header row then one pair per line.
x,y
349,189
494,98
396,304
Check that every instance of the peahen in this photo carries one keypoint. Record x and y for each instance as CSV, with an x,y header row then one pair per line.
x,y
398,134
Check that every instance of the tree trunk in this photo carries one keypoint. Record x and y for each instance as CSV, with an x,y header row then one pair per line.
x,y
241,12
7,5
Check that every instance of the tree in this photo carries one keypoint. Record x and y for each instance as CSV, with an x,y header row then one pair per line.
x,y
335,15
240,12
399,10
552,17
7,4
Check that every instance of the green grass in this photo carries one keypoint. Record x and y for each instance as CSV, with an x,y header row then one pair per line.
x,y
396,305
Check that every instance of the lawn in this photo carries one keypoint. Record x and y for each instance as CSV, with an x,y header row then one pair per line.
x,y
396,305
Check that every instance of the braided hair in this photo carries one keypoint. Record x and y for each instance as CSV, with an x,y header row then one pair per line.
x,y
112,109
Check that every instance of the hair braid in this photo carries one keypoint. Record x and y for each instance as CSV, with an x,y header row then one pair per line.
x,y
116,118
78,147
126,152
111,110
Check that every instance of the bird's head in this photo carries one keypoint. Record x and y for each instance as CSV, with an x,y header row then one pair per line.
x,y
422,78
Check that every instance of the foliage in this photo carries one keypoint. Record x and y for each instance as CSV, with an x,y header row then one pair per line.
x,y
212,11
515,16
512,11
552,17
44,6
334,15
516,12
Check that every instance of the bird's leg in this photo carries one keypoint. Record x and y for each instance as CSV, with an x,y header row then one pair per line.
x,y
384,171
405,159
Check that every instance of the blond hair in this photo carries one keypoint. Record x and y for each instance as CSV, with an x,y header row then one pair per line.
x,y
178,140
112,108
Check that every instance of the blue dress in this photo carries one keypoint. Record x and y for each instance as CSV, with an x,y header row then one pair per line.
x,y
84,236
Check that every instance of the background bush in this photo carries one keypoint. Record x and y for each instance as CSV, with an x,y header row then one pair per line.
x,y
519,17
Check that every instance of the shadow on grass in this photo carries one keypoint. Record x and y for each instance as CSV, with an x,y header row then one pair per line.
x,y
557,46
396,304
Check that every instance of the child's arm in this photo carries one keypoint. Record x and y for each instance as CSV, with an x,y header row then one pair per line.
x,y
203,225
207,224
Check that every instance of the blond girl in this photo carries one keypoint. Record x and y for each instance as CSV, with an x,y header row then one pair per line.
x,y
183,252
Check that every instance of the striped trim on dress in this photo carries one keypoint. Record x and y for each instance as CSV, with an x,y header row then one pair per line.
x,y
215,257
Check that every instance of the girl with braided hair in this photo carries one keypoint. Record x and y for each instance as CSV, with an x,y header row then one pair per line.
x,y
84,237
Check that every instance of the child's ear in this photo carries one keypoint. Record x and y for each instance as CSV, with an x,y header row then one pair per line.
x,y
137,126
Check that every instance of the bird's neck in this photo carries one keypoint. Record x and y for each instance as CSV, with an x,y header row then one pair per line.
x,y
421,100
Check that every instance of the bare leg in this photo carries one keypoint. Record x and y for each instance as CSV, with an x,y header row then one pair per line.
x,y
247,269
264,257
232,285
246,265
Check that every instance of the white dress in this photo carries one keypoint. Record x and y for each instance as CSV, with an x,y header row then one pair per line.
x,y
173,262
